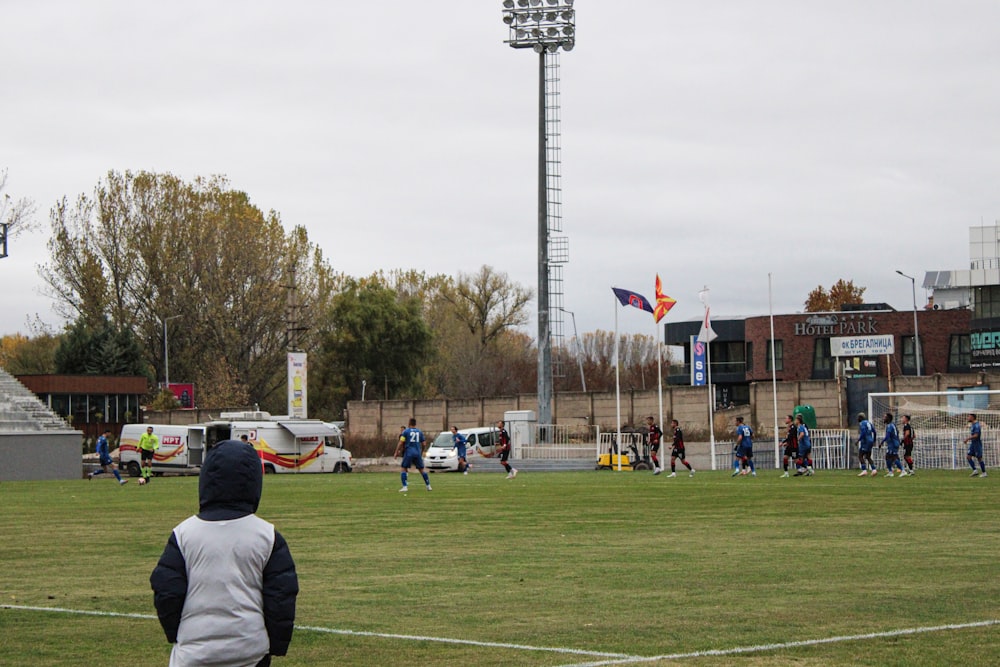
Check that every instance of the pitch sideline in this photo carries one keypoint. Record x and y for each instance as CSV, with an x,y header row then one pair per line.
x,y
784,645
613,658
356,633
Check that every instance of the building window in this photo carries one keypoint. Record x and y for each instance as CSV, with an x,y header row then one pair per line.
x,y
749,356
910,358
986,302
822,361
779,356
959,354
727,357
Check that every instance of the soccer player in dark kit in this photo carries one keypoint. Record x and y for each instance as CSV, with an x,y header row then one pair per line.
x,y
791,444
677,452
655,435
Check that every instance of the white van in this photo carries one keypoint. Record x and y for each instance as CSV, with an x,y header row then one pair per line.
x,y
284,444
181,448
442,456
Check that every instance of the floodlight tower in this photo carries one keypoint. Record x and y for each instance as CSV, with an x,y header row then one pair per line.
x,y
545,26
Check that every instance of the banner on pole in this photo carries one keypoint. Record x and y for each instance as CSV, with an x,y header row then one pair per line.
x,y
297,376
699,368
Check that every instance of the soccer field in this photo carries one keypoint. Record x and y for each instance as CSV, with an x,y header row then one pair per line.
x,y
585,568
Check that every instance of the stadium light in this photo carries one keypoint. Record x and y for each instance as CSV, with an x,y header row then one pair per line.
x,y
916,331
544,26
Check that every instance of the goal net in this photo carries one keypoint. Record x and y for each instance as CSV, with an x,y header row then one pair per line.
x,y
940,423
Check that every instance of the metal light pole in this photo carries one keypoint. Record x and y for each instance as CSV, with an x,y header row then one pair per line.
x,y
916,331
166,351
543,26
579,358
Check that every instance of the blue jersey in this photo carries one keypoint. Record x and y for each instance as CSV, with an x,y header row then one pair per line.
x,y
102,448
460,443
414,439
976,432
102,451
805,444
891,438
866,434
745,436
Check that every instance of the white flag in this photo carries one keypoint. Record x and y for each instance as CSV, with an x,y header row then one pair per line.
x,y
707,334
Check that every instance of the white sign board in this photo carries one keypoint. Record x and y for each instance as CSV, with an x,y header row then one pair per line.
x,y
861,346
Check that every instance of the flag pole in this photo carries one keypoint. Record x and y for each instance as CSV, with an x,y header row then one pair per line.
x,y
618,400
711,399
659,370
703,297
774,376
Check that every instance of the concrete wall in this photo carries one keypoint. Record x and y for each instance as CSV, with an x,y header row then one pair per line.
x,y
40,455
689,405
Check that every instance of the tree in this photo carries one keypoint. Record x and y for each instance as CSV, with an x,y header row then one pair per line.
x,y
373,336
146,247
99,349
20,355
479,348
840,293
636,358
487,303
16,215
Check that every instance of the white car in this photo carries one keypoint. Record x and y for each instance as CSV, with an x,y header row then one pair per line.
x,y
442,455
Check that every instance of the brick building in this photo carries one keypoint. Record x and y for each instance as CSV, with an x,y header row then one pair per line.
x,y
802,347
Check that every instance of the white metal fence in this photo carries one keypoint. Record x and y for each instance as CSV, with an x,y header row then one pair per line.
x,y
837,449
554,442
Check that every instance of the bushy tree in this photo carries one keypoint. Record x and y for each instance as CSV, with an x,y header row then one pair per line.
x,y
35,355
98,348
373,335
841,292
146,247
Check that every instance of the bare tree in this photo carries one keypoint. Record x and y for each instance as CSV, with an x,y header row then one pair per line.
x,y
16,215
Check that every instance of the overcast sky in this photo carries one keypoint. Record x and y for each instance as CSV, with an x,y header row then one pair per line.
x,y
710,142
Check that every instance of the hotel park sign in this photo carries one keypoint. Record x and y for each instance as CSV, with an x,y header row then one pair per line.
x,y
852,324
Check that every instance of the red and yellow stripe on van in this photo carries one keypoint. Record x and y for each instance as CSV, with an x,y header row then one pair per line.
x,y
290,461
171,446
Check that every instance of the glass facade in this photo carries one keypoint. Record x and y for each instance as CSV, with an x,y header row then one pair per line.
x,y
986,302
779,356
959,354
822,361
910,357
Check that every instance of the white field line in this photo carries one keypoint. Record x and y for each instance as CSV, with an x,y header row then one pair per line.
x,y
786,645
355,633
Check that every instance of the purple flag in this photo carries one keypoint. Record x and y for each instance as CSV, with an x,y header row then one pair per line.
x,y
628,298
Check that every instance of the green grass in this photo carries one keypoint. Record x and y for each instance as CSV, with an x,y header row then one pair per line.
x,y
599,561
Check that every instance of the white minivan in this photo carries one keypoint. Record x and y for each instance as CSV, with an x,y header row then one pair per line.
x,y
441,454
181,449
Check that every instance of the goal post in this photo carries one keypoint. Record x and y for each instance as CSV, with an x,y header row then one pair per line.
x,y
940,423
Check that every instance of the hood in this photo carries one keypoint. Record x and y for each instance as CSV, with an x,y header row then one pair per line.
x,y
230,482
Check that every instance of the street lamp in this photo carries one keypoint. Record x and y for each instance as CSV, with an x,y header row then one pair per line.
x,y
166,352
579,357
916,331
543,26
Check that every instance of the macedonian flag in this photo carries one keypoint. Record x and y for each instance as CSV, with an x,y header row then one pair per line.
x,y
663,302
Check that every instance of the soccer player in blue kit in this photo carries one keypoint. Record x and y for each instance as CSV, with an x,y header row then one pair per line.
x,y
411,443
803,464
460,443
744,444
107,465
866,441
975,442
891,442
